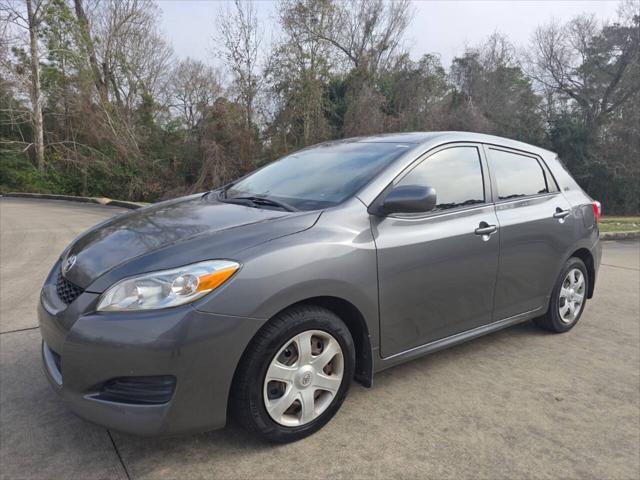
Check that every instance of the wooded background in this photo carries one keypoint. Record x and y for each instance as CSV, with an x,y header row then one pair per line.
x,y
94,102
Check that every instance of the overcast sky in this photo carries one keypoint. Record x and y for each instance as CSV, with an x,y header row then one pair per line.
x,y
438,26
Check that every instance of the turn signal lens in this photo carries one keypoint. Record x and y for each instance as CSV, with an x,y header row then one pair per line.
x,y
215,279
167,288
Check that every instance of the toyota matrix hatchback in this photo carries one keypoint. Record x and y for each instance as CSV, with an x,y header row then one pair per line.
x,y
266,297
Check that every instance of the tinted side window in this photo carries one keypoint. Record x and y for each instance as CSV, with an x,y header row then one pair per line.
x,y
516,175
455,174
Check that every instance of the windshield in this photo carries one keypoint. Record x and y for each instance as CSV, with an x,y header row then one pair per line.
x,y
318,177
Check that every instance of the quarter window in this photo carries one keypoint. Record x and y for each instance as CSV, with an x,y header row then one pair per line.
x,y
455,174
516,175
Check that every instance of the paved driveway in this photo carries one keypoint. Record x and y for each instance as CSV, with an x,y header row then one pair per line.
x,y
520,403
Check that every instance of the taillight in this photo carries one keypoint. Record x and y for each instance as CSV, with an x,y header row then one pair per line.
x,y
597,210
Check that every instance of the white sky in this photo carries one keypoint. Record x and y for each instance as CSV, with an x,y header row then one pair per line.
x,y
438,26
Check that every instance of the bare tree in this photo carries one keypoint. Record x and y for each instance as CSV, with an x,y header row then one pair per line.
x,y
367,32
14,114
239,41
595,68
131,57
100,76
122,79
194,87
298,70
133,53
28,15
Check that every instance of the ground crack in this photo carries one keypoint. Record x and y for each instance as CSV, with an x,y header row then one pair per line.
x,y
115,447
618,266
19,330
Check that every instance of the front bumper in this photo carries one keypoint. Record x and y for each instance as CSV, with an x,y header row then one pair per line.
x,y
83,349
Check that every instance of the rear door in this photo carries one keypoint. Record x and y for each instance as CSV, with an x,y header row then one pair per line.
x,y
536,229
436,272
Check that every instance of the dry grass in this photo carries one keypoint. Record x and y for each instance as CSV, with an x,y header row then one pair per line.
x,y
620,224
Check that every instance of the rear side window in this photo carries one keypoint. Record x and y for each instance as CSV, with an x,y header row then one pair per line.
x,y
516,175
454,173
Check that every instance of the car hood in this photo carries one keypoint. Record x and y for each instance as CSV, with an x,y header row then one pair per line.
x,y
171,234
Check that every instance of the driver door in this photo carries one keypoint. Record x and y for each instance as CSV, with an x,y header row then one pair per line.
x,y
436,272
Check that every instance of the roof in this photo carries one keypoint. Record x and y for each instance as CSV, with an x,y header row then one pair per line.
x,y
405,137
418,138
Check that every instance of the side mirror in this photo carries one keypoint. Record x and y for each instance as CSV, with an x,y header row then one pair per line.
x,y
409,199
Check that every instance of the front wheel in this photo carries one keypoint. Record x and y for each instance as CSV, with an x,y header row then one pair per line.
x,y
295,374
568,298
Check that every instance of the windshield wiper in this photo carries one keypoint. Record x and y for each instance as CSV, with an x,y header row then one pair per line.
x,y
222,191
264,201
268,202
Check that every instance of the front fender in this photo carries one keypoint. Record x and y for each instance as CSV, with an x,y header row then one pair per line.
x,y
334,258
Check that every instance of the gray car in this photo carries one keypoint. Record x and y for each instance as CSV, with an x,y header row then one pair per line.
x,y
266,297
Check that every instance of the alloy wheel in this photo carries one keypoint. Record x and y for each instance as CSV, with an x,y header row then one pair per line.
x,y
572,294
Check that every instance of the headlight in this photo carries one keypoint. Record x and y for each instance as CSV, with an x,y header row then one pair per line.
x,y
168,288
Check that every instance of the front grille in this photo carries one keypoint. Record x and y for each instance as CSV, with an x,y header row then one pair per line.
x,y
153,390
67,291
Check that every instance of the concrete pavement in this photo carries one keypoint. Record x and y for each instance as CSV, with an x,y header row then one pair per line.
x,y
520,403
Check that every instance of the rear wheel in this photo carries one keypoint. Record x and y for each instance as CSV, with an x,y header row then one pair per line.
x,y
295,374
568,298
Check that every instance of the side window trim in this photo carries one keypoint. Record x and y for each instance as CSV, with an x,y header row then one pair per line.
x,y
551,181
484,171
546,173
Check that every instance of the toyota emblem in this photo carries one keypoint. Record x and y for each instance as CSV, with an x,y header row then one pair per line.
x,y
68,265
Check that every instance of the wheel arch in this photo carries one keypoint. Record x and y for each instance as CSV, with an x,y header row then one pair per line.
x,y
357,325
355,322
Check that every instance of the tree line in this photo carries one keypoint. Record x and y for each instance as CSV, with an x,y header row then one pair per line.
x,y
93,101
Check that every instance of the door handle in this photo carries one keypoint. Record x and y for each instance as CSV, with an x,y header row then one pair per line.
x,y
561,213
485,229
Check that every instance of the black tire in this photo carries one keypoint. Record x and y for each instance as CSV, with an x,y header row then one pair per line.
x,y
552,321
247,403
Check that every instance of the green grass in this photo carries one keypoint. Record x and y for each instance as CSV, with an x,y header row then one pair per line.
x,y
620,224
